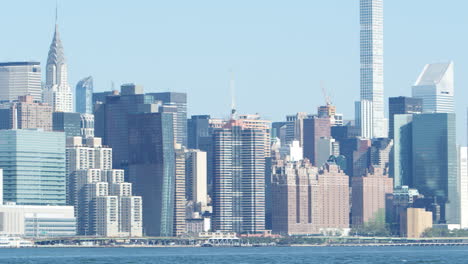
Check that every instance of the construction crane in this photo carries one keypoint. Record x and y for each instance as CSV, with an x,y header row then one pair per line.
x,y
325,94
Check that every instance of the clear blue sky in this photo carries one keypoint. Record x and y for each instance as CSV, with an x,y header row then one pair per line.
x,y
278,50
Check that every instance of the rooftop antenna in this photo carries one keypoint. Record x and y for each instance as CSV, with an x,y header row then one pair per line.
x,y
233,96
112,86
56,12
325,95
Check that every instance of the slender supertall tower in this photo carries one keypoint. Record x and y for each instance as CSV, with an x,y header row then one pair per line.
x,y
372,76
57,92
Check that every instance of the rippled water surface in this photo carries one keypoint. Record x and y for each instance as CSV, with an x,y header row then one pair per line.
x,y
237,255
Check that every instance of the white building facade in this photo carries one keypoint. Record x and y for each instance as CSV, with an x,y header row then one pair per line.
x,y
20,79
435,85
57,92
372,66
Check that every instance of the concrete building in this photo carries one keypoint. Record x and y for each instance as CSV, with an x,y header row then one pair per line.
x,y
435,86
308,200
356,151
20,79
329,111
83,154
292,151
239,178
180,191
37,221
33,163
105,204
326,147
57,92
368,197
380,151
314,129
372,69
25,113
414,221
87,125
84,95
196,185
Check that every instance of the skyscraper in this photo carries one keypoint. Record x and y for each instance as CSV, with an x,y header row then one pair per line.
x,y
57,92
435,162
26,113
402,105
435,87
84,95
239,178
33,163
313,129
372,67
402,161
20,79
179,100
67,122
369,195
152,168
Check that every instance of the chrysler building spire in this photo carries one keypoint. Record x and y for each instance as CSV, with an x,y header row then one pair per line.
x,y
57,91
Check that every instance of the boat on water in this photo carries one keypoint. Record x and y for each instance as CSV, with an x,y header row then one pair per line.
x,y
14,242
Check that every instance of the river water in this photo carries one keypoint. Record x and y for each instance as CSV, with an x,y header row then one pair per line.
x,y
456,254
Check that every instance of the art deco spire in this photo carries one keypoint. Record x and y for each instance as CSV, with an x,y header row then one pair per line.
x,y
56,54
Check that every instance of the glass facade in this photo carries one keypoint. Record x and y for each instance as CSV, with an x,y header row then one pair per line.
x,y
70,123
402,161
435,162
49,227
84,96
152,169
33,163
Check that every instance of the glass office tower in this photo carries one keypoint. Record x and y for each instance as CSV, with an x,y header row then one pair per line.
x,y
435,162
33,163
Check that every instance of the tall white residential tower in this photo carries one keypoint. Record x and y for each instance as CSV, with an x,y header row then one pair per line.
x,y
372,70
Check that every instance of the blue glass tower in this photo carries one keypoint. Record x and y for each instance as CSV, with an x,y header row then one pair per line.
x,y
84,96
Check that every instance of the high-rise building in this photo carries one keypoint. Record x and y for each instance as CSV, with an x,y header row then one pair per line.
x,y
105,205
402,161
435,171
435,87
307,200
402,105
179,100
380,152
196,185
463,178
356,151
364,118
33,163
112,120
57,92
326,147
369,197
84,95
372,68
67,122
329,111
20,79
152,168
179,192
239,178
198,127
26,113
314,128
87,125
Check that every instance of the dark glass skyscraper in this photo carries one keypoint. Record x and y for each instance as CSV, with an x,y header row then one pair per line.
x,y
180,101
152,169
67,122
84,96
435,162
402,105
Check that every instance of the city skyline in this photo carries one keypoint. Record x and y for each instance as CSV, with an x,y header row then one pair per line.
x,y
311,49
